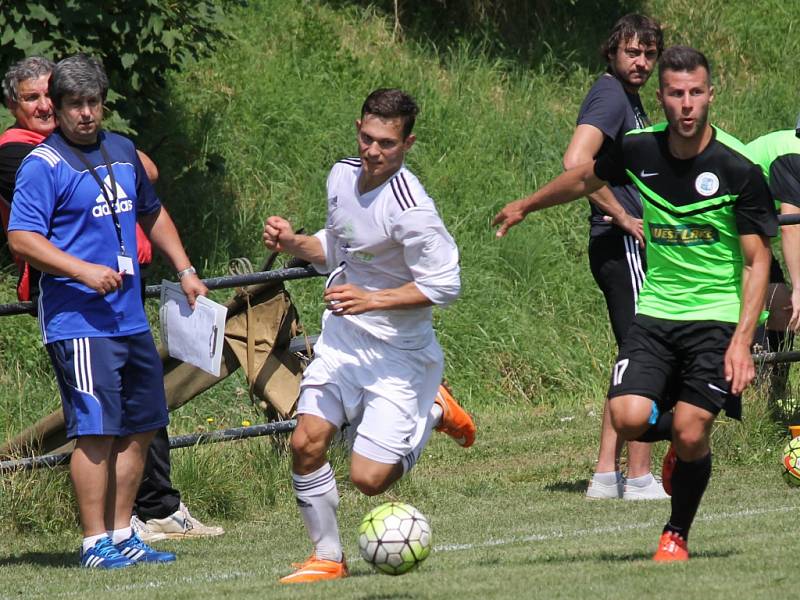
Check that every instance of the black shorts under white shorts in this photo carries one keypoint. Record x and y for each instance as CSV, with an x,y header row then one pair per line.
x,y
670,361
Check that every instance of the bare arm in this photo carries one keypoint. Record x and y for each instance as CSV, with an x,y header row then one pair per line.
x,y
349,299
161,230
790,244
583,147
44,256
739,369
279,236
150,167
570,185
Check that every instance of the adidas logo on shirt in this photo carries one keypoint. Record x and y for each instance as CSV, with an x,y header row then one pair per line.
x,y
124,204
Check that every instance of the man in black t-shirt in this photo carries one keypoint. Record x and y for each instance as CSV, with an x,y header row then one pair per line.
x,y
611,109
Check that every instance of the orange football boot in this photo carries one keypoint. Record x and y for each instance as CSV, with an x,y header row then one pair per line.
x,y
456,422
667,467
671,548
316,569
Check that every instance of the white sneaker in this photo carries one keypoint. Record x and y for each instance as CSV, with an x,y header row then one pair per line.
x,y
181,524
604,491
144,532
652,491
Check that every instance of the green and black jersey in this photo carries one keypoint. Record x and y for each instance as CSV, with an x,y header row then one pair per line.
x,y
778,155
694,212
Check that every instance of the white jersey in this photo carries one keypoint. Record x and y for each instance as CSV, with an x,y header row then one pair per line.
x,y
384,239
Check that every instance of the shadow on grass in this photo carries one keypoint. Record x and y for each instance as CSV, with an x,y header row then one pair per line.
x,y
571,487
524,31
42,559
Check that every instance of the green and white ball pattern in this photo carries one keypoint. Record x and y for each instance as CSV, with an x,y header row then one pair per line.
x,y
791,462
394,538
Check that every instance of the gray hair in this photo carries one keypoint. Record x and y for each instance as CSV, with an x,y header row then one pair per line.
x,y
79,75
32,67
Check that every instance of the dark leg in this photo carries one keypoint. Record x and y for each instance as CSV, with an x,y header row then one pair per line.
x,y
689,481
156,498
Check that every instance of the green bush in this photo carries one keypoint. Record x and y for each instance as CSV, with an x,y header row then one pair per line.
x,y
139,41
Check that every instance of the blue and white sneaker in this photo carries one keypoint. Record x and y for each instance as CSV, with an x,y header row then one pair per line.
x,y
135,550
104,555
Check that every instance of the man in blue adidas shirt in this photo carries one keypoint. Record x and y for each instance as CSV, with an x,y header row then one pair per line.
x,y
78,197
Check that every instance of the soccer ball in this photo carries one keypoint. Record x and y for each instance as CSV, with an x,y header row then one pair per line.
x,y
394,538
791,462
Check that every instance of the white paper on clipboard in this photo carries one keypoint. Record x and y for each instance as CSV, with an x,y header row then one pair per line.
x,y
193,336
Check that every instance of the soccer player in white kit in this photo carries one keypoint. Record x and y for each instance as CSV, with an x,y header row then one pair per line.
x,y
377,364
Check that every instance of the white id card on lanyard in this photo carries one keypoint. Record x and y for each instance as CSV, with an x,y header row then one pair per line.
x,y
125,263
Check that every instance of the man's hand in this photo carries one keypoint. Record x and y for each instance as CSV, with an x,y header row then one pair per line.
x,y
794,321
193,287
100,278
278,234
348,299
739,368
632,225
512,213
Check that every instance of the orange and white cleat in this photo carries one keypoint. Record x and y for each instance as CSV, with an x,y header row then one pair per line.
x,y
667,468
316,569
456,422
671,548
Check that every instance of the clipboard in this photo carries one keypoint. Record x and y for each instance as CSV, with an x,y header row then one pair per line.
x,y
193,336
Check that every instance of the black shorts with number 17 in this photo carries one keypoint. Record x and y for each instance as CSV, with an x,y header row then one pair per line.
x,y
670,361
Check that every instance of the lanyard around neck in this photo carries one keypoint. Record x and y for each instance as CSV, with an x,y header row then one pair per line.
x,y
104,188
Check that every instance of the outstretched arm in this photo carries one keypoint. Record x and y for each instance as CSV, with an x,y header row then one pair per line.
x,y
583,147
570,185
739,368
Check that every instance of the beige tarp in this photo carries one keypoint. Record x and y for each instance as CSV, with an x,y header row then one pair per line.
x,y
261,321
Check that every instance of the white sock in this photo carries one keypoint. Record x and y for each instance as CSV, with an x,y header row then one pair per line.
x,y
434,418
642,481
120,535
318,499
608,478
89,542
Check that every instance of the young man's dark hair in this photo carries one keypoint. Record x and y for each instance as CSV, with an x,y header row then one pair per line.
x,y
78,75
682,58
646,29
392,103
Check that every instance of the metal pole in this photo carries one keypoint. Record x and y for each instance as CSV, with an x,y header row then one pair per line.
x,y
180,441
212,283
789,219
769,358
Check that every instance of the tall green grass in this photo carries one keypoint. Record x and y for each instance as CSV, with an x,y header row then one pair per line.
x,y
254,130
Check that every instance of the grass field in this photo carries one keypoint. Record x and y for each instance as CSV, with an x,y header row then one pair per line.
x,y
509,521
252,131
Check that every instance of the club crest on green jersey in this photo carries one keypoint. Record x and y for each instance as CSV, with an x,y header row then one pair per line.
x,y
706,184
683,235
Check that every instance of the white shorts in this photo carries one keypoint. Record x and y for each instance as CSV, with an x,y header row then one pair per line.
x,y
382,392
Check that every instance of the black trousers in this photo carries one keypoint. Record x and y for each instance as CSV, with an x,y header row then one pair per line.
x,y
156,498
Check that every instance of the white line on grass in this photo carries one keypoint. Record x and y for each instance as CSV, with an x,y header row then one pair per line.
x,y
539,537
558,534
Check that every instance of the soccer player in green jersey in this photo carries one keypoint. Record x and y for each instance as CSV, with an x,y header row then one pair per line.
x,y
778,155
708,217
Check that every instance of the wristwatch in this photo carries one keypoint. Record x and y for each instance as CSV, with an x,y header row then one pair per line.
x,y
187,271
